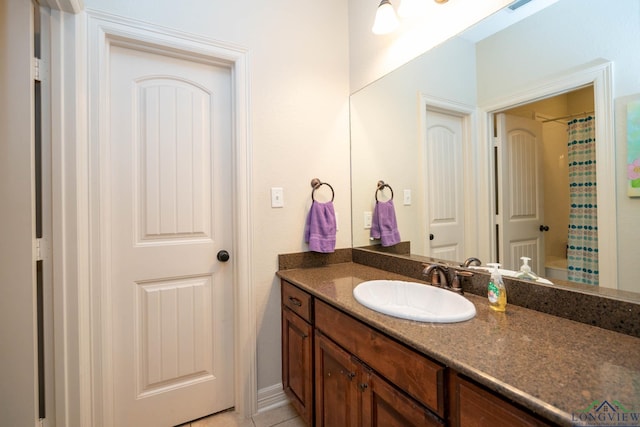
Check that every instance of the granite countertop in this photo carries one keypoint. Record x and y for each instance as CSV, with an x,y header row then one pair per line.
x,y
551,365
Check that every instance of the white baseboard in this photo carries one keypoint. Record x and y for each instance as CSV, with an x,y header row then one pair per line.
x,y
271,397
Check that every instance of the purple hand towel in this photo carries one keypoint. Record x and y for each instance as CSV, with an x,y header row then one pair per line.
x,y
384,225
320,229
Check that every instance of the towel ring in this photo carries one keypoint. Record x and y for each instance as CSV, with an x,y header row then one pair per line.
x,y
381,186
316,183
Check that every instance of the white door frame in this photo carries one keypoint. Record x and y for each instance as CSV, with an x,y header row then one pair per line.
x,y
469,163
600,76
81,144
18,325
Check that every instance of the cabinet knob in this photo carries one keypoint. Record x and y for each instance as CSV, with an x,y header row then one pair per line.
x,y
363,386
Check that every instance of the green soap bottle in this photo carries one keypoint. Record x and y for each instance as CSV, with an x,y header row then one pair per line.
x,y
496,292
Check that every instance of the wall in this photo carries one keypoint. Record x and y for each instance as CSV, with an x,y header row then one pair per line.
x,y
556,189
598,29
299,122
372,56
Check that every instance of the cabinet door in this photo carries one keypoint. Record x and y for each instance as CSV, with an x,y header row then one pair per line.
x,y
473,406
385,406
337,379
297,370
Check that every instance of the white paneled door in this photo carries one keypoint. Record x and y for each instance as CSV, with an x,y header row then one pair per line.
x,y
444,186
170,214
520,198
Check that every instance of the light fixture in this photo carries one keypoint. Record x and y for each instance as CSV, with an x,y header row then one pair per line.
x,y
386,20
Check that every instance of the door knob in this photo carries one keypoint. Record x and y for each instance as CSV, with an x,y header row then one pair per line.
x,y
223,256
544,228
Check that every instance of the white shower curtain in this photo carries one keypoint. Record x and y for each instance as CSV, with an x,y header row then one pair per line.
x,y
582,247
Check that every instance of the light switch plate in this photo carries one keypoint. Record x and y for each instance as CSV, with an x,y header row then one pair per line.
x,y
277,197
407,197
367,220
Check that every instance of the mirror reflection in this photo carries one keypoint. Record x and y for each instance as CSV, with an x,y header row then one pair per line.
x,y
418,129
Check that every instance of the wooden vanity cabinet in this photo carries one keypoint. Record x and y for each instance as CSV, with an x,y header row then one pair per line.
x,y
340,372
350,368
297,349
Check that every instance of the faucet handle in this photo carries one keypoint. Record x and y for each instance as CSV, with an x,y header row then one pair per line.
x,y
456,284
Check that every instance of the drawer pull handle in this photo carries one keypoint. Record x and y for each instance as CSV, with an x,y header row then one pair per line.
x,y
295,301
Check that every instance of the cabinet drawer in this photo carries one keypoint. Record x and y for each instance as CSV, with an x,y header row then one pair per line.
x,y
297,300
409,370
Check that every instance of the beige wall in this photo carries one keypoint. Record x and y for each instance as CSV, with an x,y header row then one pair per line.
x,y
556,189
299,119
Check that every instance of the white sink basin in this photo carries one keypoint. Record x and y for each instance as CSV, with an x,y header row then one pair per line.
x,y
414,301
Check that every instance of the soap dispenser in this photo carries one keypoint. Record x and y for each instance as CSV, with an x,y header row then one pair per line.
x,y
496,292
525,272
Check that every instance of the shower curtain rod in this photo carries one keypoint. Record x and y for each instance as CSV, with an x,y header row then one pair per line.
x,y
568,116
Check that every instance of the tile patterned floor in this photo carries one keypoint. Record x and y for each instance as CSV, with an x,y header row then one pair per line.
x,y
283,416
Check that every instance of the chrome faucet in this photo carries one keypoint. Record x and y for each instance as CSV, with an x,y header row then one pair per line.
x,y
469,261
437,274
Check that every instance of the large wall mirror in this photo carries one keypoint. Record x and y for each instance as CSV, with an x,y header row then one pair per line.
x,y
427,130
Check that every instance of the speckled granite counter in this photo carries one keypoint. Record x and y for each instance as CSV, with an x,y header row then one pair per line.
x,y
553,366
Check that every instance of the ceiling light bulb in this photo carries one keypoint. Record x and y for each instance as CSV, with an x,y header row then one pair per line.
x,y
413,8
386,20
